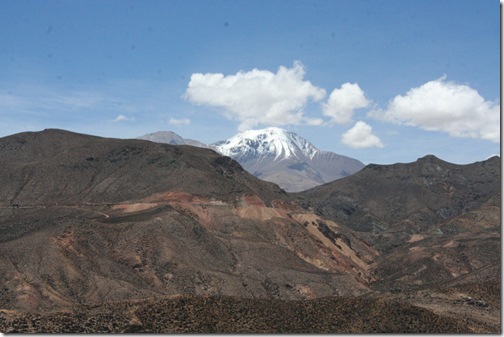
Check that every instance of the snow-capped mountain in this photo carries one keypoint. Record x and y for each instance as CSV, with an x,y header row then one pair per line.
x,y
266,144
276,155
285,158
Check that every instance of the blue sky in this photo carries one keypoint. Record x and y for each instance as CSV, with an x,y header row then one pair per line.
x,y
380,81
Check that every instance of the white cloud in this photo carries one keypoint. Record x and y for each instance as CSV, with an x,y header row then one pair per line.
x,y
123,118
257,96
342,102
446,106
361,136
183,121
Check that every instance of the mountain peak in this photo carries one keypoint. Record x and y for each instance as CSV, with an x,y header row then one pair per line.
x,y
430,158
267,143
275,155
167,137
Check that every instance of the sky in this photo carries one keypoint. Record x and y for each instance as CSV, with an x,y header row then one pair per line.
x,y
380,81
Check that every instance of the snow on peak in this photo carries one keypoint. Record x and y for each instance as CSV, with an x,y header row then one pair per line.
x,y
269,142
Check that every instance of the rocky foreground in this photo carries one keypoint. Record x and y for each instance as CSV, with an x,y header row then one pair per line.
x,y
238,315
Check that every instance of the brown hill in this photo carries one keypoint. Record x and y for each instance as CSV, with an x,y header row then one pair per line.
x,y
432,222
460,248
108,220
56,166
390,203
90,225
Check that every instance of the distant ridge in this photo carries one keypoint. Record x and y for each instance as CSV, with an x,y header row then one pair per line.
x,y
276,155
170,137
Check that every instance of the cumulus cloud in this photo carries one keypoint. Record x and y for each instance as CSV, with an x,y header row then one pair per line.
x,y
361,136
343,102
442,105
183,121
123,118
257,96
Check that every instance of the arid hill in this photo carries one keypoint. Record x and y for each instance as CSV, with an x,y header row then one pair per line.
x,y
107,220
433,223
56,166
390,203
89,225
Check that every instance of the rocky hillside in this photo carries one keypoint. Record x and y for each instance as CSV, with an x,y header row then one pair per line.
x,y
90,225
87,219
406,198
56,166
431,221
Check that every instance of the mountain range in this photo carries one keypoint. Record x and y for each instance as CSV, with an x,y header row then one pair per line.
x,y
276,155
111,235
